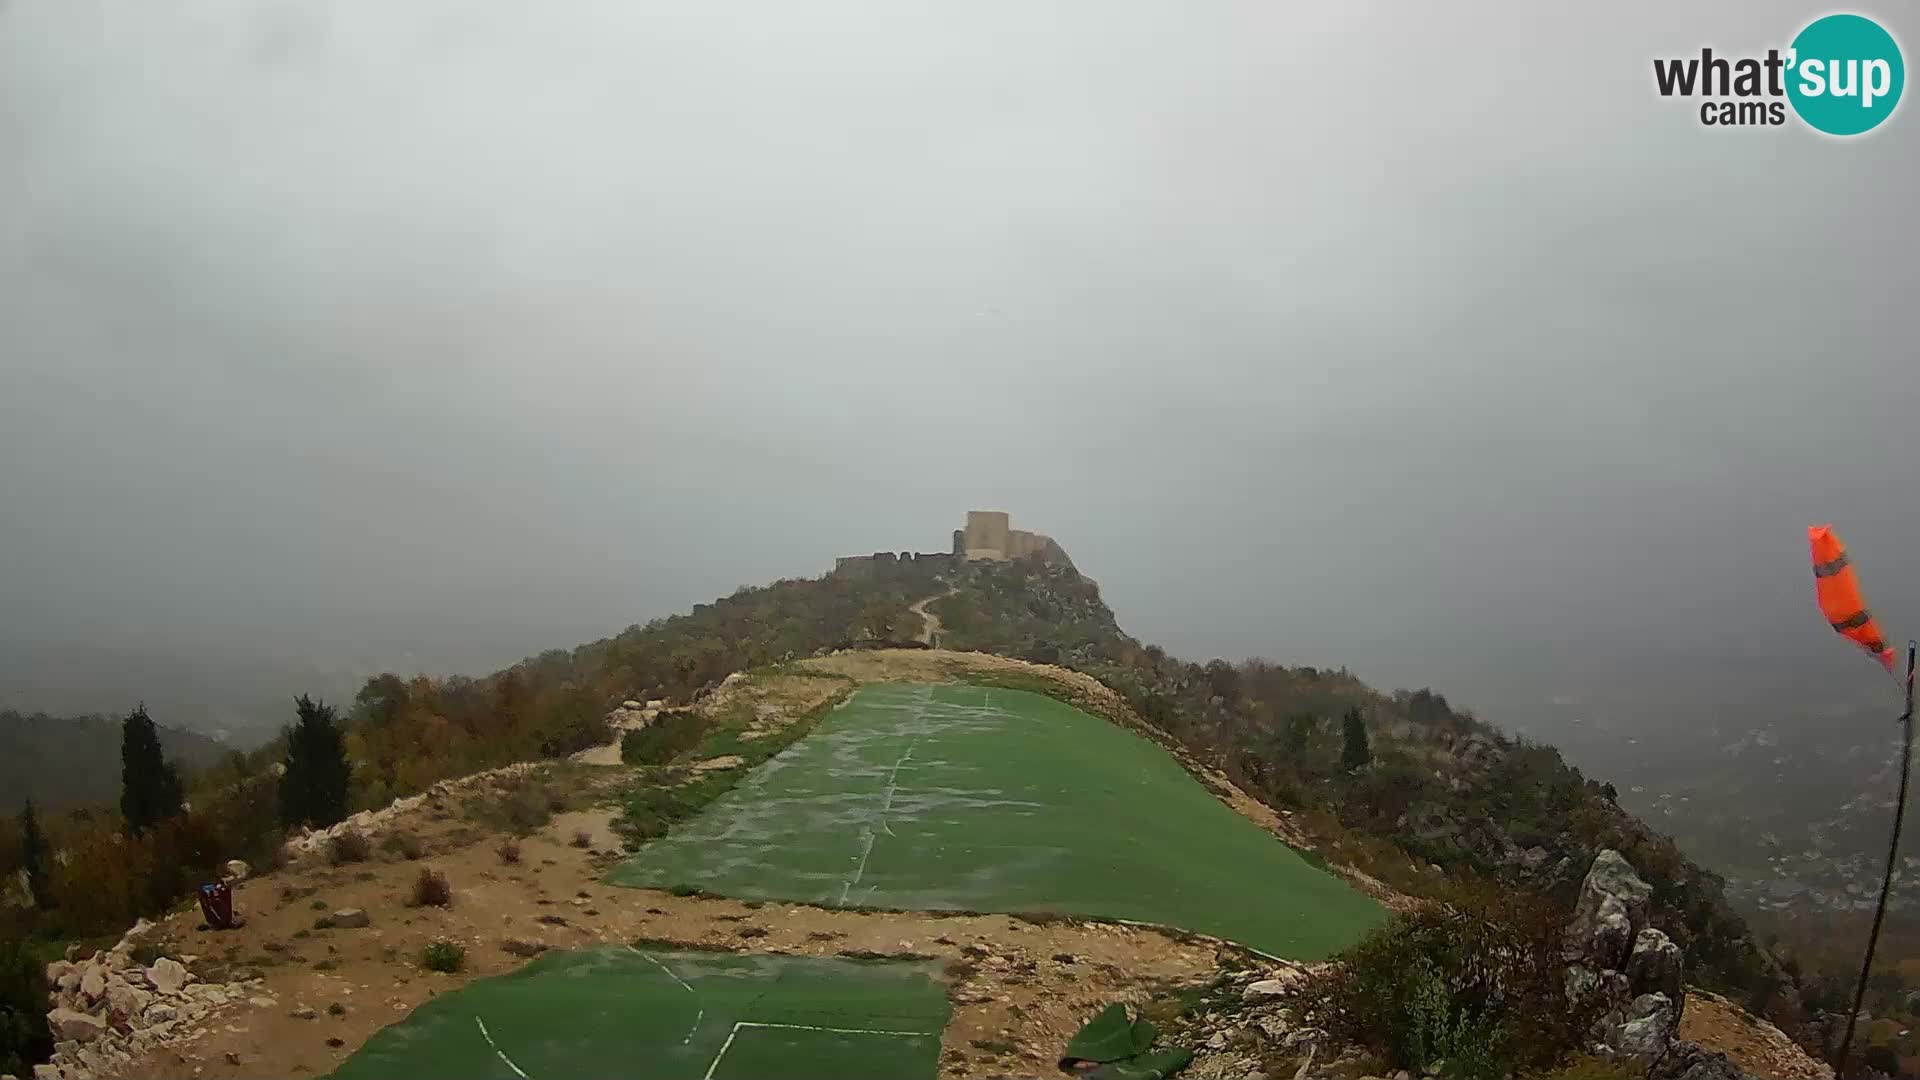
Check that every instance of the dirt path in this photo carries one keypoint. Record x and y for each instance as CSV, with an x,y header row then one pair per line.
x,y
930,623
1019,989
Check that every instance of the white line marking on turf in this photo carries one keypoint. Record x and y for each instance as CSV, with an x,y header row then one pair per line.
x,y
501,1054
803,1027
886,806
655,961
835,1030
699,1014
723,1053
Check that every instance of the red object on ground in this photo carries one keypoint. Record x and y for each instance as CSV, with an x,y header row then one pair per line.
x,y
216,903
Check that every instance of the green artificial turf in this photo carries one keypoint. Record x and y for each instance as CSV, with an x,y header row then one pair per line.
x,y
977,799
670,1016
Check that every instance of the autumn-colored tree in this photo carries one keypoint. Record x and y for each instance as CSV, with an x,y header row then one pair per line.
x,y
102,882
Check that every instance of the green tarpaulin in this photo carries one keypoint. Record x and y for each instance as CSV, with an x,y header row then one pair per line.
x,y
1112,1047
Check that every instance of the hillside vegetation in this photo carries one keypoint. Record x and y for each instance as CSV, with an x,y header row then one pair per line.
x,y
1442,794
67,761
1400,785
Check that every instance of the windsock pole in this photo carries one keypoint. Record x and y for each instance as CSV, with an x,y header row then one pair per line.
x,y
1886,882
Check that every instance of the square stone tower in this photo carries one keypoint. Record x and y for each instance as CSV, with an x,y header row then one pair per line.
x,y
986,534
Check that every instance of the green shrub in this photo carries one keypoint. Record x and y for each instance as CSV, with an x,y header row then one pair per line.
x,y
1469,987
660,742
525,807
443,955
650,810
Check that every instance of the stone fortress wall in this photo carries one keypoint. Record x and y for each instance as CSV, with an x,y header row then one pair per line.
x,y
988,534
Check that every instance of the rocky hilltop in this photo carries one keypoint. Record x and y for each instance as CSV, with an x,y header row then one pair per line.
x,y
291,991
1405,795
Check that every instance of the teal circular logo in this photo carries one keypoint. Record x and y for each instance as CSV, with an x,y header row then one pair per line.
x,y
1845,74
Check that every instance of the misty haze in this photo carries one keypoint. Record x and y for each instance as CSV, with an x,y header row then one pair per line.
x,y
1411,374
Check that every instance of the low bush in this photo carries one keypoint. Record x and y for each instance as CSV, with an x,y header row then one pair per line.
x,y
509,851
520,806
443,955
582,839
348,846
1469,987
406,845
431,889
660,742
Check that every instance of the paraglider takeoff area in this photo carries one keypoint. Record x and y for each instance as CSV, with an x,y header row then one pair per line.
x,y
625,1011
911,797
949,797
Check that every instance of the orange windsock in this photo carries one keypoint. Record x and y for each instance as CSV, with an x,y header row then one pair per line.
x,y
1839,592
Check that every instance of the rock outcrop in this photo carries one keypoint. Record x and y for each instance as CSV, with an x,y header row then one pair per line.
x,y
108,1010
1257,1016
1633,976
1613,901
370,823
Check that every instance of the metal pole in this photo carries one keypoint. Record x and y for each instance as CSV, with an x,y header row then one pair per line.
x,y
1886,882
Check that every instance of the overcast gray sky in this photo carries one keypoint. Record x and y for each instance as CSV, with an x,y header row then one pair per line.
x,y
1422,339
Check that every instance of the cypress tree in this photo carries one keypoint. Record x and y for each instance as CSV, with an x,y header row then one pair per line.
x,y
150,789
1354,753
313,790
33,856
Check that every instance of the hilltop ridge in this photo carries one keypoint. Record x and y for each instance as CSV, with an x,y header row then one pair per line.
x,y
1434,800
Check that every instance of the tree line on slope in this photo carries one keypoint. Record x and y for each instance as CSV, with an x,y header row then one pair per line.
x,y
1403,783
61,762
91,872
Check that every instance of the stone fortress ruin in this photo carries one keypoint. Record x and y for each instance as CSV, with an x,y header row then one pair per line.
x,y
988,534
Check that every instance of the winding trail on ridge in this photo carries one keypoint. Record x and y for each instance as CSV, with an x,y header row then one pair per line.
x,y
930,623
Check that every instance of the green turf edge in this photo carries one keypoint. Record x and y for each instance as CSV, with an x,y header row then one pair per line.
x,y
1064,694
464,1057
663,795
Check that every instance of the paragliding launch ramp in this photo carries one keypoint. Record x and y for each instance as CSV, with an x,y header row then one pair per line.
x,y
975,799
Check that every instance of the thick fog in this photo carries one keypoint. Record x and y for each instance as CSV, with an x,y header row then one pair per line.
x,y
1428,342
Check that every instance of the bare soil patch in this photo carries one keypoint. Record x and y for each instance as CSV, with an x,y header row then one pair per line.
x,y
1008,982
1752,1043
